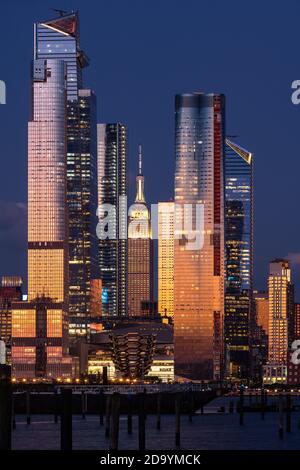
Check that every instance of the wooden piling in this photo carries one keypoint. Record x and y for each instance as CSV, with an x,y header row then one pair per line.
x,y
158,411
288,413
262,404
55,406
13,398
241,407
83,403
129,414
177,419
280,409
191,406
66,419
28,416
114,421
107,415
141,412
101,407
5,408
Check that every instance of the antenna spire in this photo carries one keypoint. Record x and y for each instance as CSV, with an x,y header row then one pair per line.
x,y
140,160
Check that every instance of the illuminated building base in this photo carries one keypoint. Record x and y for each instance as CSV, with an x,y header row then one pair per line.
x,y
274,373
39,340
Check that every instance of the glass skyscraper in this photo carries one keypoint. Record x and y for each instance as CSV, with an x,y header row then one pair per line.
x,y
47,211
199,267
39,326
82,208
112,193
59,38
239,309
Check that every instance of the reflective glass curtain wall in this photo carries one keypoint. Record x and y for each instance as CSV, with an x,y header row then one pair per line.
x,y
112,184
199,272
82,207
59,38
239,258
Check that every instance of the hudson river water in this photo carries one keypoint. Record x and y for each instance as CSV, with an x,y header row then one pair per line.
x,y
210,431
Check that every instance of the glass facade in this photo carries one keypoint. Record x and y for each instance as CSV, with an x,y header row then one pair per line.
x,y
59,38
199,272
39,326
47,250
82,208
166,258
112,185
239,258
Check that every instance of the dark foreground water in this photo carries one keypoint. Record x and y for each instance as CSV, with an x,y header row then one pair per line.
x,y
207,432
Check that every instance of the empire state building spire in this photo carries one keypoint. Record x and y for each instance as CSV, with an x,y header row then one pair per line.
x,y
140,160
140,196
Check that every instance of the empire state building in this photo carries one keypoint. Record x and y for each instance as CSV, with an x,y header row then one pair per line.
x,y
140,250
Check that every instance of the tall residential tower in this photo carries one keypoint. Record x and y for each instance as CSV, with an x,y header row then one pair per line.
x,y
281,310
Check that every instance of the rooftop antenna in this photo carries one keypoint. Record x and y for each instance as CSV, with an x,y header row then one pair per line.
x,y
140,160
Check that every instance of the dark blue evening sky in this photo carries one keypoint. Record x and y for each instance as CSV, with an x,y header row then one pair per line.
x,y
142,53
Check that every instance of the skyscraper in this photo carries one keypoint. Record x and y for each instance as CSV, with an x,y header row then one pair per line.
x,y
112,212
199,235
82,207
166,258
47,212
39,327
59,38
281,305
140,250
239,257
